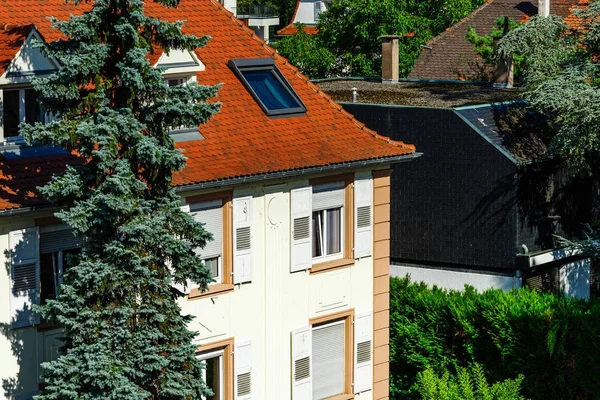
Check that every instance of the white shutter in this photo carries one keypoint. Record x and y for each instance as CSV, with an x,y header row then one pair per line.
x,y
210,213
242,239
363,217
363,353
301,251
243,370
301,364
25,276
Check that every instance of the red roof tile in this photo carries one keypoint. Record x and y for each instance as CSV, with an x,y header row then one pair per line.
x,y
450,56
240,140
292,29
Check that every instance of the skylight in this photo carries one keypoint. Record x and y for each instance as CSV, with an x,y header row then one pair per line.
x,y
268,86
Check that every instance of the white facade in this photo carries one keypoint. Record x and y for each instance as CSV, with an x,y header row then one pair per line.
x,y
308,11
261,313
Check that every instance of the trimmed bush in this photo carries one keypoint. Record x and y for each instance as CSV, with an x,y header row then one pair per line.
x,y
554,342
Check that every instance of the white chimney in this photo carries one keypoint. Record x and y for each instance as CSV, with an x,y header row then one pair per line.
x,y
543,8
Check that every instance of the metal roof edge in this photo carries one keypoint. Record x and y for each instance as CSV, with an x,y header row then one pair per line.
x,y
342,103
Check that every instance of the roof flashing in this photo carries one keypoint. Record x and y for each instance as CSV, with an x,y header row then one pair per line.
x,y
267,85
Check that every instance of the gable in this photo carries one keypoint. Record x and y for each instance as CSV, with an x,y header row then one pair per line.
x,y
29,61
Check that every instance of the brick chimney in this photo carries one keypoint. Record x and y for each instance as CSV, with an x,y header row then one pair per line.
x,y
543,8
389,58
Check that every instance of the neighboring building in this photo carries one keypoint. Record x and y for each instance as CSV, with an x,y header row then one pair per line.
x,y
293,188
481,206
307,13
258,17
449,56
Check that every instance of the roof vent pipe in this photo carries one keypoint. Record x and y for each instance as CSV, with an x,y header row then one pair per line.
x,y
354,94
543,8
389,58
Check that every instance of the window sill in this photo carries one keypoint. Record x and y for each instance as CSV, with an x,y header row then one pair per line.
x,y
341,397
332,265
213,290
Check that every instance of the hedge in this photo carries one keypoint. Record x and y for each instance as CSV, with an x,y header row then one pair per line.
x,y
554,342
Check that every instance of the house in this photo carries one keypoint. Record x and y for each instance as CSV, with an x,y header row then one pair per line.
x,y
293,188
482,204
307,13
258,17
449,56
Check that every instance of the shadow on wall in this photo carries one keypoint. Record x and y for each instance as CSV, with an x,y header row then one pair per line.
x,y
22,382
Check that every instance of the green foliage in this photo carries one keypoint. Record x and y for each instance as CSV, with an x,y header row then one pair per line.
x,y
125,337
307,53
469,383
552,341
562,77
350,30
485,47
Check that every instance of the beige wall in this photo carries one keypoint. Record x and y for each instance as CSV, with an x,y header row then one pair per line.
x,y
265,310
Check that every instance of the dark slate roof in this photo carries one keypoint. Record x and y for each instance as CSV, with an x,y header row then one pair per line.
x,y
513,128
451,56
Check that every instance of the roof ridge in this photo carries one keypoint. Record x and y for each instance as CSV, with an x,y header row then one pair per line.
x,y
293,18
278,57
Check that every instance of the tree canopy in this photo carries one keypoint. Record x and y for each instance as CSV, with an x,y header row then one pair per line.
x,y
125,337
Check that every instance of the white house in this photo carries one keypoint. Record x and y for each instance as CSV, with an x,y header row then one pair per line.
x,y
307,13
293,188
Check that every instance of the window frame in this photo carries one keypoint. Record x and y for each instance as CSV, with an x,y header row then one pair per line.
x,y
348,317
226,258
347,257
239,66
226,348
324,257
22,90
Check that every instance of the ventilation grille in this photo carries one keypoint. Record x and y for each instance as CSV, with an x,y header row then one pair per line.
x,y
243,384
363,217
363,352
302,368
301,228
24,277
242,237
535,283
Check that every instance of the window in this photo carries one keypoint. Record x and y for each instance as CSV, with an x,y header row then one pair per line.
x,y
213,373
332,356
268,86
327,221
20,105
331,223
229,254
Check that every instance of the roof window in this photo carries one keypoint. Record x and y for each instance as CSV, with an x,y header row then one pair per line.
x,y
268,86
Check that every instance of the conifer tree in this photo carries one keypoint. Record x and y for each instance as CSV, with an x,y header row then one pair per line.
x,y
125,337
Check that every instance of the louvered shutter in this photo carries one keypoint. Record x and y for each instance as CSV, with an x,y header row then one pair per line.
x,y
25,276
363,354
301,364
64,239
210,213
243,370
242,239
363,217
301,210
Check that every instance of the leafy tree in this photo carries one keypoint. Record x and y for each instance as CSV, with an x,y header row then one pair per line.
x,y
468,384
125,337
350,29
563,81
307,53
485,46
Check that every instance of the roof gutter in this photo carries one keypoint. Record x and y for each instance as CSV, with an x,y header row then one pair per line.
x,y
255,178
297,172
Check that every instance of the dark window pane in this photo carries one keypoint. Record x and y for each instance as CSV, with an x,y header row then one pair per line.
x,y
270,90
317,242
49,276
33,111
213,377
334,231
11,113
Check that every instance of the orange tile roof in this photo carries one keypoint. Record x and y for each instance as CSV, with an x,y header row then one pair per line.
x,y
292,29
240,140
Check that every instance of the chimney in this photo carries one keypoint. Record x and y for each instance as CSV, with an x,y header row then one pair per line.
x,y
504,74
389,58
543,8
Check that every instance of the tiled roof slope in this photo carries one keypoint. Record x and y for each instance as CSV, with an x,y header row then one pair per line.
x,y
292,29
240,140
452,57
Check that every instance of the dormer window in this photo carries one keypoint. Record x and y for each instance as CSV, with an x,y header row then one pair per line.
x,y
20,105
268,86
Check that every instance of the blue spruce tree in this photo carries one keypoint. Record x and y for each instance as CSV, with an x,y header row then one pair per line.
x,y
125,337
